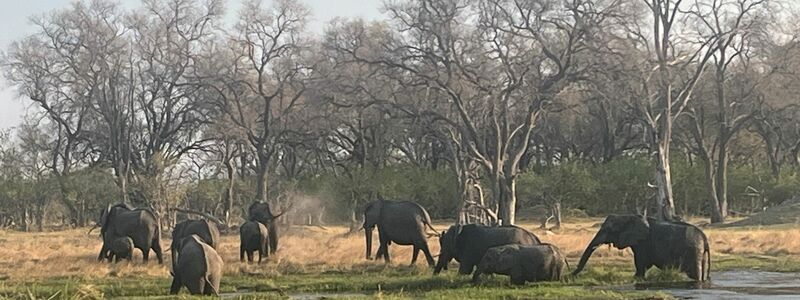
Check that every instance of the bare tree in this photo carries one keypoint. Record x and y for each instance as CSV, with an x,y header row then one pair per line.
x,y
737,25
268,46
667,88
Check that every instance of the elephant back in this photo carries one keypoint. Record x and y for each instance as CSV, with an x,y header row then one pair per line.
x,y
206,230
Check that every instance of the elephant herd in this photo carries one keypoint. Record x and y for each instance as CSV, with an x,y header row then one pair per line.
x,y
507,250
196,264
518,253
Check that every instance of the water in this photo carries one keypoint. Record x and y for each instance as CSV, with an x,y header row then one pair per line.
x,y
734,285
740,284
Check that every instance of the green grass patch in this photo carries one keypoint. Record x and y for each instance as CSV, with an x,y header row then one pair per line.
x,y
600,280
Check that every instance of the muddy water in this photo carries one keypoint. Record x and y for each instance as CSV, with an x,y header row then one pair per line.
x,y
740,284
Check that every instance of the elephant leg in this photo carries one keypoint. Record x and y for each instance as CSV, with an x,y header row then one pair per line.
x,y
249,256
476,277
517,279
265,244
195,287
517,275
428,256
264,249
207,290
386,256
465,268
383,249
641,263
414,255
159,253
694,268
145,254
241,253
103,252
176,284
379,253
260,255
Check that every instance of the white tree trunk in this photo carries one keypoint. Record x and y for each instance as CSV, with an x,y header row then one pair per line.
x,y
666,204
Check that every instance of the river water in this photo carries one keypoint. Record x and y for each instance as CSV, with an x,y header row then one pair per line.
x,y
738,284
728,285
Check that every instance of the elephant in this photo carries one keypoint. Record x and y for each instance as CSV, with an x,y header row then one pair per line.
x,y
468,243
253,236
199,268
260,212
121,248
399,222
141,225
664,244
206,230
543,262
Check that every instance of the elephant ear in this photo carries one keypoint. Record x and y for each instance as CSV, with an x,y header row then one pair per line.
x,y
252,208
507,258
105,218
457,229
372,213
636,229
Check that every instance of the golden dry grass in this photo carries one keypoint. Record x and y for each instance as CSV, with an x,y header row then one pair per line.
x,y
72,253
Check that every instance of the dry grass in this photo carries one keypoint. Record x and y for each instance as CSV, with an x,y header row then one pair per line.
x,y
72,253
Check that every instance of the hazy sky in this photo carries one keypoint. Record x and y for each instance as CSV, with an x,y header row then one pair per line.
x,y
14,25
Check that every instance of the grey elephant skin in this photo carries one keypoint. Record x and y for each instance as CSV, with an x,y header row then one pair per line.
x,y
664,244
253,237
543,262
206,230
121,248
141,225
261,212
467,244
399,222
199,268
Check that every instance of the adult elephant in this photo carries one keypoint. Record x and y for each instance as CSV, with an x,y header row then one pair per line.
x,y
467,244
261,212
654,243
399,222
204,229
141,225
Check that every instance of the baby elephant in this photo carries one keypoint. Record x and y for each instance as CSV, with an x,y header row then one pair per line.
x,y
253,237
199,268
523,263
121,248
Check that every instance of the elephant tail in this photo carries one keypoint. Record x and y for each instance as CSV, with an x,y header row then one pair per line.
x,y
214,290
707,270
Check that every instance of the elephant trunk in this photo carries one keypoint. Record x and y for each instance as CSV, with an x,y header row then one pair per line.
x,y
444,259
368,235
273,236
599,239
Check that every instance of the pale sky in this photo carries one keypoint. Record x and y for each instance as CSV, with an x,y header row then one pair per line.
x,y
14,25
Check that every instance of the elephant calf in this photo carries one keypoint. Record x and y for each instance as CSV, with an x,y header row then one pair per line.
x,y
253,236
467,244
121,248
523,263
199,268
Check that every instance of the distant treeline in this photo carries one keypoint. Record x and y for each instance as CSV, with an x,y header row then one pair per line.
x,y
474,108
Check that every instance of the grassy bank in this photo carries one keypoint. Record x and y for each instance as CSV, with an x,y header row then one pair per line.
x,y
312,260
